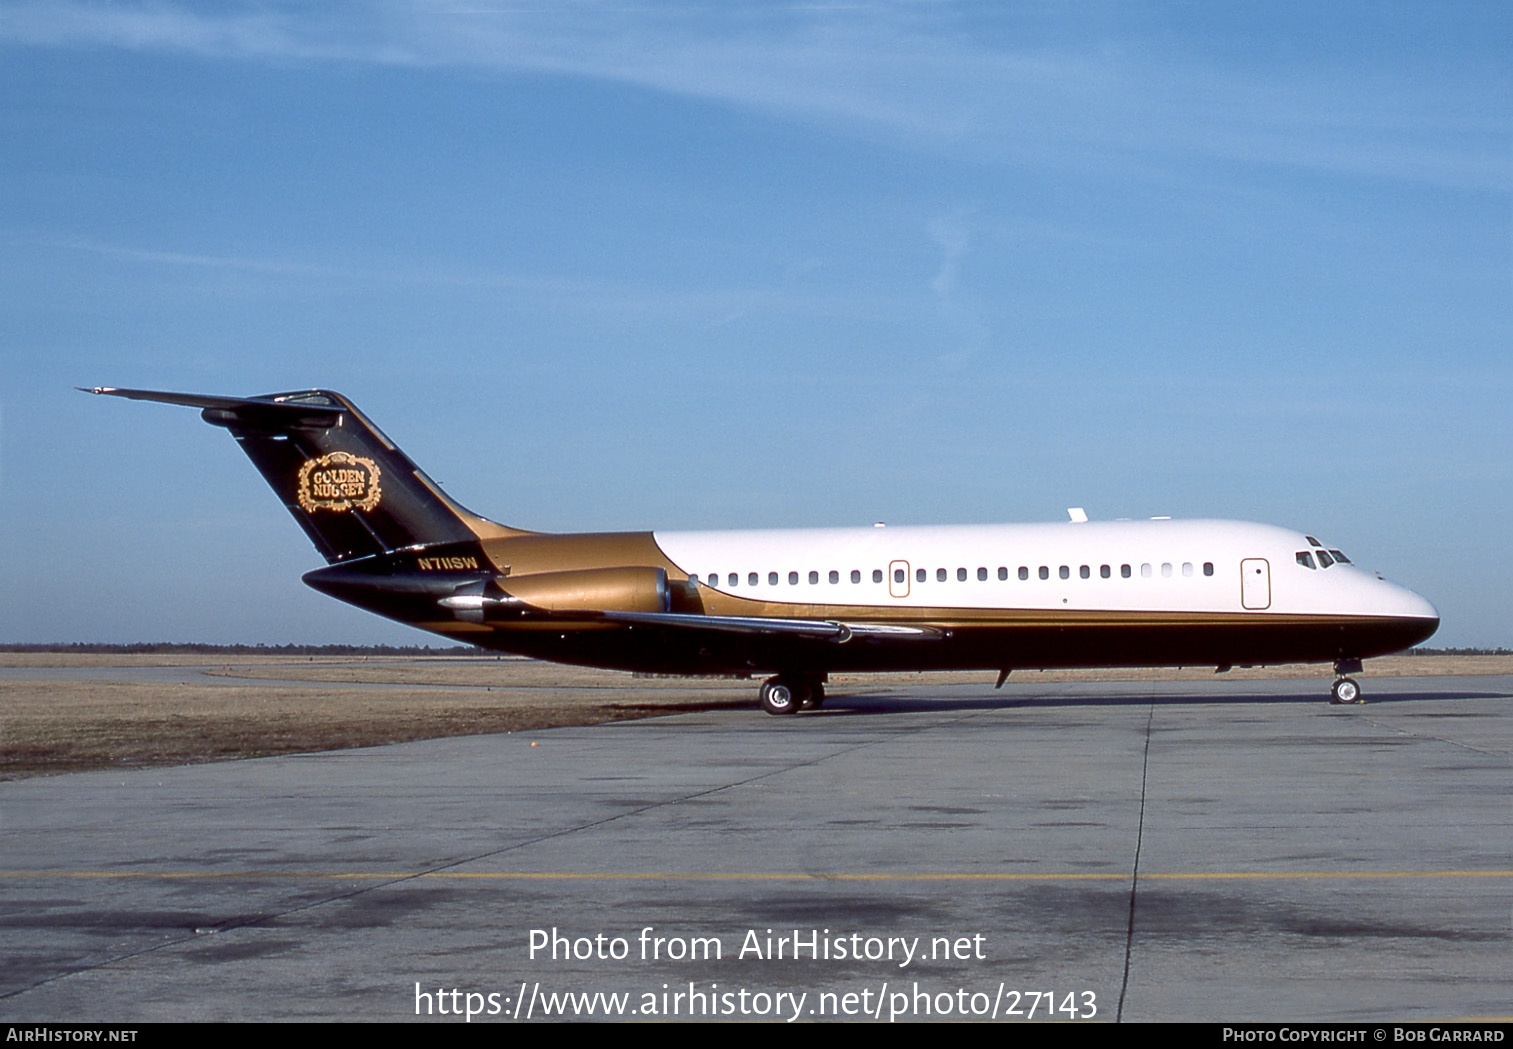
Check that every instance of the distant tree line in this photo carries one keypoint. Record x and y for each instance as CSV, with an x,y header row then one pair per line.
x,y
172,648
1460,651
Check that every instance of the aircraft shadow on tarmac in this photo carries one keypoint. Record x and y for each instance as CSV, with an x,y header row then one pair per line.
x,y
864,703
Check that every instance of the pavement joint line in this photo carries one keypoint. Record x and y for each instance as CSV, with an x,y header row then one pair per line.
x,y
1411,734
1134,882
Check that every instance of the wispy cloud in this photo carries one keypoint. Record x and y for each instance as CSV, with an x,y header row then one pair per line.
x,y
907,73
191,260
165,27
952,235
716,305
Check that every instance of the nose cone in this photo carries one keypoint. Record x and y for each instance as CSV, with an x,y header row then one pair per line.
x,y
1422,616
1424,610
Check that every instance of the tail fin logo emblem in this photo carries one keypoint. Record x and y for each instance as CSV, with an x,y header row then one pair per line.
x,y
339,481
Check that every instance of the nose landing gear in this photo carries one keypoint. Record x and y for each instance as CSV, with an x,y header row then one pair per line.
x,y
1346,690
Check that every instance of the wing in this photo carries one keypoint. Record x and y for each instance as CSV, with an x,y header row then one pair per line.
x,y
819,629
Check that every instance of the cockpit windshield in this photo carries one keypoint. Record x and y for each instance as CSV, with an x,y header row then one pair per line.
x,y
1326,557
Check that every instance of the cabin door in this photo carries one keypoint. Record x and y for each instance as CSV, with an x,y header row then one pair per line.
x,y
898,579
1255,583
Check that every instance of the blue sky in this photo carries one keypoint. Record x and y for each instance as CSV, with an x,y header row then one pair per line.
x,y
733,265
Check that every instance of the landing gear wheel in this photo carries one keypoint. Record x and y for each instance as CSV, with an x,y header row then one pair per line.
x,y
1345,691
778,697
816,698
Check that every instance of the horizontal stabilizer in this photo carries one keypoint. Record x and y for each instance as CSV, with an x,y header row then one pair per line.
x,y
308,408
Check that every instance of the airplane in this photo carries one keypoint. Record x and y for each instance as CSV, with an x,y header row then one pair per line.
x,y
799,605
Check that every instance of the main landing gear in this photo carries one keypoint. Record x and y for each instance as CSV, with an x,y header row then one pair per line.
x,y
1346,690
788,694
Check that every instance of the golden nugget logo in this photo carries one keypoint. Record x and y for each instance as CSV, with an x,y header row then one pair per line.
x,y
339,481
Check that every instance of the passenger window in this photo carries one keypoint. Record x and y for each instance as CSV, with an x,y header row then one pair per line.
x,y
1085,572
1305,559
693,577
751,580
793,579
1104,571
1208,568
1003,573
961,575
1065,572
920,575
772,579
877,575
835,577
1166,569
856,576
982,574
1045,573
814,577
1145,571
940,575
1124,571
1024,572
1187,568
898,575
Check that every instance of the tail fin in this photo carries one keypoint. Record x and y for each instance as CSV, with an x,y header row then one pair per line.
x,y
350,488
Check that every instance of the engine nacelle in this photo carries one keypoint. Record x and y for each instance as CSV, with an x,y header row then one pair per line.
x,y
592,590
584,590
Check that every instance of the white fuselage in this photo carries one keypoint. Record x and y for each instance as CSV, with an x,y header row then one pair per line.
x,y
1199,566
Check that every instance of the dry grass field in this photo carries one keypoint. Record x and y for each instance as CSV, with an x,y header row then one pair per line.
x,y
256,706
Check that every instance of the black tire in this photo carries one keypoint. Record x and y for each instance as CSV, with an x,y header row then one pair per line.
x,y
1345,691
815,699
778,697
